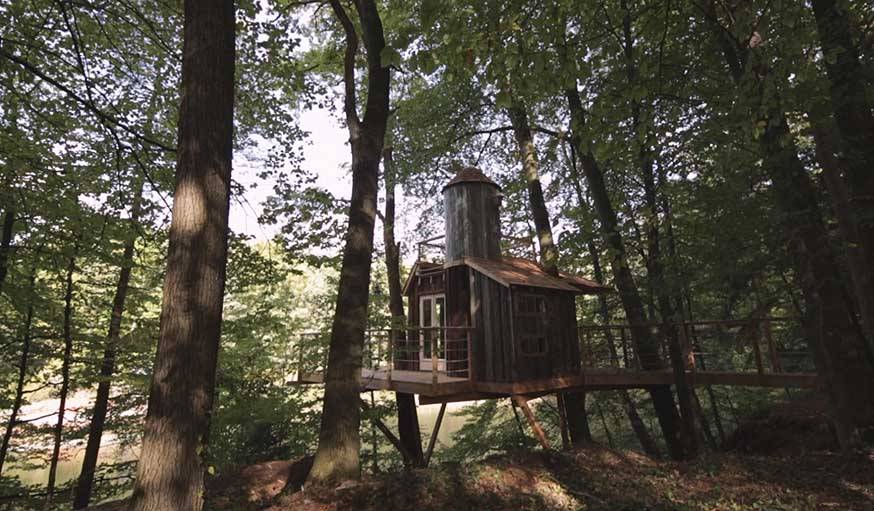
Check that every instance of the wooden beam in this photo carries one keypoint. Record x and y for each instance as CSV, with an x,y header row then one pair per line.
x,y
433,441
395,441
522,403
562,421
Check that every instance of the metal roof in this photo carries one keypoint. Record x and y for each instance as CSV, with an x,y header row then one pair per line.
x,y
469,175
514,271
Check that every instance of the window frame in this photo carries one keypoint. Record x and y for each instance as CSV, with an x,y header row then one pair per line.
x,y
538,335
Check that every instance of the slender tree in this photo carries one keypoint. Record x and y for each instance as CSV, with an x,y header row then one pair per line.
x,y
23,361
337,457
170,469
408,419
85,483
65,380
645,344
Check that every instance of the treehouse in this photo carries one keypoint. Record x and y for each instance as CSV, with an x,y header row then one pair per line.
x,y
484,316
483,325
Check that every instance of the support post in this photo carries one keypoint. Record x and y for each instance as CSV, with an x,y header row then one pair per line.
x,y
562,421
300,358
757,349
433,441
522,402
772,348
469,355
391,354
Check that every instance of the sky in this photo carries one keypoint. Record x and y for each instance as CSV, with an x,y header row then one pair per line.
x,y
326,153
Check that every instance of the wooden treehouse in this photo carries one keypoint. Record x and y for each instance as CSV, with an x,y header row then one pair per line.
x,y
482,325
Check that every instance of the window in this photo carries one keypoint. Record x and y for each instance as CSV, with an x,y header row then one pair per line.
x,y
531,317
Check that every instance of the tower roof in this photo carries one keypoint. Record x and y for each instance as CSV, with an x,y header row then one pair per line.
x,y
469,175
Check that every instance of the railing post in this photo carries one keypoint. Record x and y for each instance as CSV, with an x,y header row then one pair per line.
x,y
391,353
300,358
772,348
756,348
469,355
434,360
686,346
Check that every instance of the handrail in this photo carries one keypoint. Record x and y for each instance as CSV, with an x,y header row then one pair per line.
x,y
761,345
447,349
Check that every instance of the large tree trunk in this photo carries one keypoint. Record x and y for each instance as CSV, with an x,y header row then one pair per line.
x,y
843,360
855,122
23,361
408,418
170,470
838,343
646,346
574,402
337,457
85,482
6,243
65,381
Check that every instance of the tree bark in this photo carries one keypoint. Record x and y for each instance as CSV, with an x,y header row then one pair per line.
x,y
531,173
855,123
337,457
646,346
408,418
22,374
170,469
6,244
65,382
85,483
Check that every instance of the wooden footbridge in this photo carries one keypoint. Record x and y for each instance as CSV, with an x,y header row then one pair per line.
x,y
439,365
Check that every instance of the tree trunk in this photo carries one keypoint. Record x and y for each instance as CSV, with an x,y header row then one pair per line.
x,y
6,243
531,172
337,457
65,382
855,122
646,346
85,482
655,268
647,443
843,359
22,374
575,402
408,418
170,470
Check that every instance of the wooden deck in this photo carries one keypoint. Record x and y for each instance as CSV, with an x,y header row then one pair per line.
x,y
449,389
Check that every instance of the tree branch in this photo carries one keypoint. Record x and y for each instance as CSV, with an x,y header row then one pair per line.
x,y
348,68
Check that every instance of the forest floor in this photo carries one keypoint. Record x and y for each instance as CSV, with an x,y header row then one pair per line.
x,y
592,478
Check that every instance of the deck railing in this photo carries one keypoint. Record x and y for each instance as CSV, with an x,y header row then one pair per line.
x,y
762,345
441,351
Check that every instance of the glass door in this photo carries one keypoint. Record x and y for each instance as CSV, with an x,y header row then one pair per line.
x,y
432,315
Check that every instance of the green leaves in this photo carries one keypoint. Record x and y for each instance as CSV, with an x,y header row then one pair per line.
x,y
390,57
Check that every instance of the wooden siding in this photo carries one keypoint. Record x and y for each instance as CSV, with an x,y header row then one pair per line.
x,y
492,338
562,357
472,221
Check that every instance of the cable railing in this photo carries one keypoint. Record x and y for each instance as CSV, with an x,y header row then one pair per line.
x,y
425,355
761,345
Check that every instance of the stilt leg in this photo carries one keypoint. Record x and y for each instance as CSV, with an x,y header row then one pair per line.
x,y
522,403
433,440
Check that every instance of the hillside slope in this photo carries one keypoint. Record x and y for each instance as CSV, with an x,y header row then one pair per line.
x,y
594,478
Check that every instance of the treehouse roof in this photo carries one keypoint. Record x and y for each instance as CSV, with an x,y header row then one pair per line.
x,y
515,271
